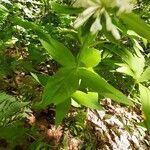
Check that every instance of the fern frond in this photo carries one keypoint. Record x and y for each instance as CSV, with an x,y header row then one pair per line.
x,y
10,109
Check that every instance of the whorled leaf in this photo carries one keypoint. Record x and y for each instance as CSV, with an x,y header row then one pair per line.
x,y
60,87
124,68
89,99
59,52
90,57
98,84
133,63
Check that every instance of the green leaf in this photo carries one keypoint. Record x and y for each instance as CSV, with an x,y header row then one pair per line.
x,y
146,75
90,57
133,63
98,84
60,87
124,68
3,9
75,104
89,99
56,49
61,110
32,26
10,107
136,24
64,9
59,52
3,13
14,133
145,100
41,78
137,45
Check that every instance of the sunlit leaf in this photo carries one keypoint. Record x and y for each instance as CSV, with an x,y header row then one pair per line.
x,y
90,57
146,75
145,100
136,24
3,8
89,99
98,84
3,13
133,63
125,68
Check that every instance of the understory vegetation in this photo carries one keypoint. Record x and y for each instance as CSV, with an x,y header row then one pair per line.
x,y
74,74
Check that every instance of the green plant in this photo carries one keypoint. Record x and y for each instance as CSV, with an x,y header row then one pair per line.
x,y
87,41
75,70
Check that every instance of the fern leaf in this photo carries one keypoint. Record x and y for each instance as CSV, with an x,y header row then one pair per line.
x,y
10,108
